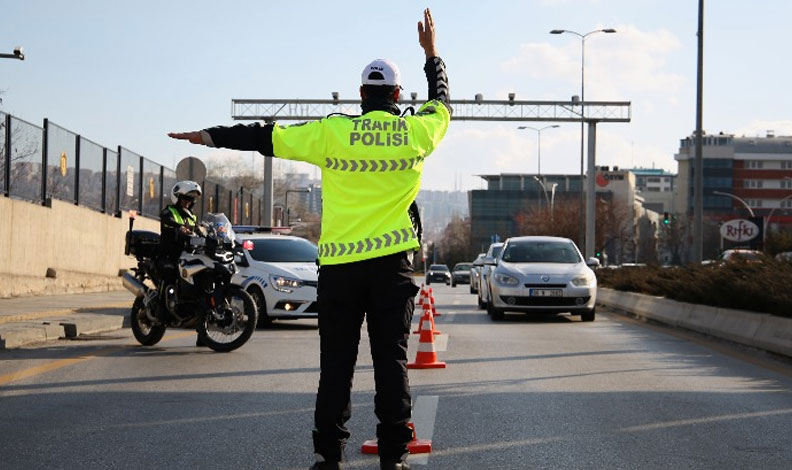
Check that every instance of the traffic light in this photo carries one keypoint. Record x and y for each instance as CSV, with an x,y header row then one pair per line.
x,y
666,219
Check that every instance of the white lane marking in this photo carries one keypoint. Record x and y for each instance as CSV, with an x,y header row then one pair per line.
x,y
423,417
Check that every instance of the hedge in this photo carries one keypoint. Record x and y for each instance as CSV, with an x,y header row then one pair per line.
x,y
764,286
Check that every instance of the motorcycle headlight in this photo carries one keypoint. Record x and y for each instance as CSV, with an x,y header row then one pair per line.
x,y
285,284
584,280
506,280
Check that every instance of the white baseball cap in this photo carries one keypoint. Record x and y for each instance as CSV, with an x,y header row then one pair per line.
x,y
381,72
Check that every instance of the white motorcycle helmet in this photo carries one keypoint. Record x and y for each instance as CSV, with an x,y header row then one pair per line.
x,y
188,189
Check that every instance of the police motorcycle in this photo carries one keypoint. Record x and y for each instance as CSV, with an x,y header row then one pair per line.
x,y
202,297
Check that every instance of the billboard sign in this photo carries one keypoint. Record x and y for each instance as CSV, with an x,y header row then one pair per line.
x,y
739,230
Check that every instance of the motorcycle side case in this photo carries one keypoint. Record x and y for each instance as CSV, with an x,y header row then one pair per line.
x,y
141,243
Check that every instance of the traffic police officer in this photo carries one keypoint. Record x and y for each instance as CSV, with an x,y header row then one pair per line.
x,y
177,224
371,169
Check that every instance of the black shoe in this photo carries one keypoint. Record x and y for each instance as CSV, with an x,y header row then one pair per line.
x,y
390,465
326,466
199,342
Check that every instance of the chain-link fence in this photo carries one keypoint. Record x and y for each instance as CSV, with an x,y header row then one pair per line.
x,y
41,163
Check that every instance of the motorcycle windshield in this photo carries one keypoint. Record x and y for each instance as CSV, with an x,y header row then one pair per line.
x,y
221,227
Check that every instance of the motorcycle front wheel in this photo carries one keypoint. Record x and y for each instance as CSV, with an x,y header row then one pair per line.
x,y
230,325
146,332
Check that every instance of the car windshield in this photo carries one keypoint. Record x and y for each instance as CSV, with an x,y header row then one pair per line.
x,y
495,251
541,252
283,250
462,267
438,267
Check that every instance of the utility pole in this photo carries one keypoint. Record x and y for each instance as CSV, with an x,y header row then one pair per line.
x,y
698,188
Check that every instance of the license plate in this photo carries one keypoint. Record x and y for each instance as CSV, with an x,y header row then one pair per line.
x,y
546,292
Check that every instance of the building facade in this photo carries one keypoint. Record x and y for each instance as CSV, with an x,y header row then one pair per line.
x,y
656,186
493,210
752,174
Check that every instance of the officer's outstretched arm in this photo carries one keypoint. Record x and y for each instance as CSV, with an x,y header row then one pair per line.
x,y
240,137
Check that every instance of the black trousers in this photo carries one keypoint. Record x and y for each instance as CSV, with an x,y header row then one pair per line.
x,y
381,290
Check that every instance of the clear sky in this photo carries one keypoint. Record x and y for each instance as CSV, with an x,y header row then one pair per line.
x,y
126,73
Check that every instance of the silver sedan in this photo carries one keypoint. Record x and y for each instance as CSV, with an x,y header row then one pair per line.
x,y
542,275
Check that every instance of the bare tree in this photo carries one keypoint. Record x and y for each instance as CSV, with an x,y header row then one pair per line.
x,y
25,172
612,226
454,245
645,241
675,239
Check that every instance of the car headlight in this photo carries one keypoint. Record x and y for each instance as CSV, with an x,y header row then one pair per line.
x,y
584,280
506,280
285,284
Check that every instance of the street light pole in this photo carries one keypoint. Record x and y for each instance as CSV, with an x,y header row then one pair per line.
x,y
767,220
750,211
582,108
538,144
772,211
544,190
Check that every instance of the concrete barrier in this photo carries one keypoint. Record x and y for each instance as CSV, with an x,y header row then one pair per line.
x,y
759,330
85,248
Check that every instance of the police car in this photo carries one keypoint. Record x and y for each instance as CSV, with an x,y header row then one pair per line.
x,y
278,271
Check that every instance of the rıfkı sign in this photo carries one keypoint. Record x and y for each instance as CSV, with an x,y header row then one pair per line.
x,y
739,230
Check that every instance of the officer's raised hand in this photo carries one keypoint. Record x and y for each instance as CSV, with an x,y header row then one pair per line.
x,y
426,34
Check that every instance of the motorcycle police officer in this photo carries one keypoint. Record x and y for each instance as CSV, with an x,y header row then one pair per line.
x,y
371,168
177,224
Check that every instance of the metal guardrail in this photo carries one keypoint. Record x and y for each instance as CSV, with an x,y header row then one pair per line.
x,y
41,163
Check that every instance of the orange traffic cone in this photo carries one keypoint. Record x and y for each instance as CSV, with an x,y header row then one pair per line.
x,y
431,302
426,357
415,446
427,317
422,296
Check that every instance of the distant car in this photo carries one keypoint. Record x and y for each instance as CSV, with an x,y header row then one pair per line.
x,y
785,256
542,275
751,256
438,273
460,274
475,272
280,273
484,278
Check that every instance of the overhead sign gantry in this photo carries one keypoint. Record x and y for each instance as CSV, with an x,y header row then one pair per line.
x,y
511,110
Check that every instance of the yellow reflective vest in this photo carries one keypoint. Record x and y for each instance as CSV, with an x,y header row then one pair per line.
x,y
371,173
190,221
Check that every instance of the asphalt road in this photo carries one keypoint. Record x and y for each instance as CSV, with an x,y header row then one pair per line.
x,y
546,392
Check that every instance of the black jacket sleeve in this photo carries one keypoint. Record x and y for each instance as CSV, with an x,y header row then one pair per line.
x,y
240,137
437,79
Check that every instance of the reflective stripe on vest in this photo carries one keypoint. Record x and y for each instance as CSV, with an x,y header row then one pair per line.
x,y
395,237
372,165
178,218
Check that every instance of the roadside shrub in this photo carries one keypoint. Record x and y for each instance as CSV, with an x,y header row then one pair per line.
x,y
764,286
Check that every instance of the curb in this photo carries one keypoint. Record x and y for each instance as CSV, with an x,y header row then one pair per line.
x,y
39,327
759,330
